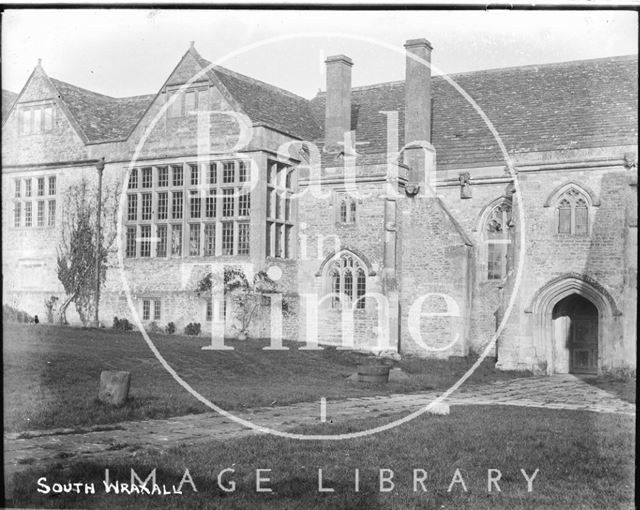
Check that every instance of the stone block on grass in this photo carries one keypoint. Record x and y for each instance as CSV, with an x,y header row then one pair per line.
x,y
114,387
398,375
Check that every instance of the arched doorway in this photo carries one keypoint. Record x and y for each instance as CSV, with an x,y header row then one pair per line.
x,y
575,335
556,338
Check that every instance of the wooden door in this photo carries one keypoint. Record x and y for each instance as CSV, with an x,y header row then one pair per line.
x,y
584,344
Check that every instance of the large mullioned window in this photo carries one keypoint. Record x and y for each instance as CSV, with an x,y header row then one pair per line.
x,y
191,210
34,201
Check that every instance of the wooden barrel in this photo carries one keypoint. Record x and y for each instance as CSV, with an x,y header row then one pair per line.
x,y
373,373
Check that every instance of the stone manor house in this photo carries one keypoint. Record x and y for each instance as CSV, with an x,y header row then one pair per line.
x,y
392,204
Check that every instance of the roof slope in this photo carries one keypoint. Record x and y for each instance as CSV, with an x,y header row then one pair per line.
x,y
265,103
8,98
580,104
102,118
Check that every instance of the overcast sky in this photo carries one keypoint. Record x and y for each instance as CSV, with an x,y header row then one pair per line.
x,y
131,52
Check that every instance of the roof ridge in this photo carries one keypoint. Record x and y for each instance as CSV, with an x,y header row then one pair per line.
x,y
615,58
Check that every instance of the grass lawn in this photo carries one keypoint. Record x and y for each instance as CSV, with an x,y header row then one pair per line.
x,y
585,460
52,374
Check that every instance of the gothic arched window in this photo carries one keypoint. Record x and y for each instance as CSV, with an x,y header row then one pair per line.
x,y
346,276
347,208
573,213
497,241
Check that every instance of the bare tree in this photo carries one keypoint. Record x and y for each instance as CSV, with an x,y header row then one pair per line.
x,y
76,258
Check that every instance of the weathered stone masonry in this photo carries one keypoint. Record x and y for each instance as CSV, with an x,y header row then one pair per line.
x,y
439,219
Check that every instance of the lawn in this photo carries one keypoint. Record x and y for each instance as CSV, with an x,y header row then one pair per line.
x,y
585,460
51,375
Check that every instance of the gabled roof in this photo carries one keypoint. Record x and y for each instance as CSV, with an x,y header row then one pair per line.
x,y
8,99
265,103
580,104
99,117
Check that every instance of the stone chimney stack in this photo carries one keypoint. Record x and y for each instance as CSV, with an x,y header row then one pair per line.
x,y
338,105
417,113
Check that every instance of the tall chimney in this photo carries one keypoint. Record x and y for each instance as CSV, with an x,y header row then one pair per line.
x,y
338,106
417,112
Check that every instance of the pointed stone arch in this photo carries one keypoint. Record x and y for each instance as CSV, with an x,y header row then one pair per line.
x,y
592,198
543,303
344,250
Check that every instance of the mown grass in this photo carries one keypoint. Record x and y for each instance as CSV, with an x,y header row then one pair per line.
x,y
52,374
586,461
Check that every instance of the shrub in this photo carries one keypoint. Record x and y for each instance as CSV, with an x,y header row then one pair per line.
x,y
170,329
192,329
153,327
122,324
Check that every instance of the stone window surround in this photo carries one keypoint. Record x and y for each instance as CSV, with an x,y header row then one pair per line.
x,y
42,107
585,193
154,308
203,190
201,91
341,265
482,264
280,225
20,199
345,208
